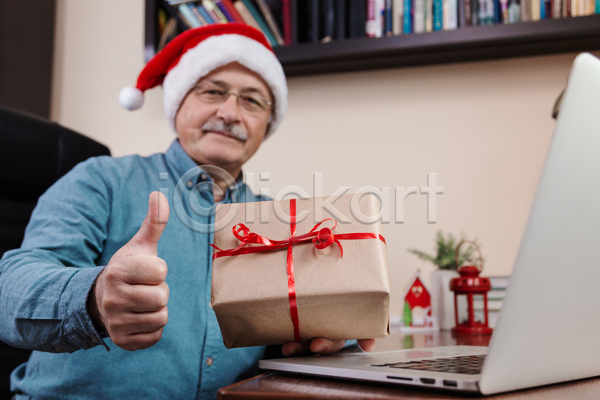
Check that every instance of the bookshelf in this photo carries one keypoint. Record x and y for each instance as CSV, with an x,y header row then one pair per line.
x,y
476,43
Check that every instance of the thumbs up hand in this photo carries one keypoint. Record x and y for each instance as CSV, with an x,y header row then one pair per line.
x,y
129,297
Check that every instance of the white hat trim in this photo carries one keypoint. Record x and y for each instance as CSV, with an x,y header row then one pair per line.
x,y
215,52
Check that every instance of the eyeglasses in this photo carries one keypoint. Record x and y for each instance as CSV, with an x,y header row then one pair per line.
x,y
250,101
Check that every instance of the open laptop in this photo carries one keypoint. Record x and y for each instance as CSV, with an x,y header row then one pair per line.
x,y
549,326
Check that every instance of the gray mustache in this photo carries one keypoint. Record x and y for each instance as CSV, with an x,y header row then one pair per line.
x,y
236,131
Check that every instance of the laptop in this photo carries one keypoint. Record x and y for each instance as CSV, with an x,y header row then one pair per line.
x,y
549,326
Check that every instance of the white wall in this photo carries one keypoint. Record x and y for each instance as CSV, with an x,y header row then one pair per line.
x,y
483,127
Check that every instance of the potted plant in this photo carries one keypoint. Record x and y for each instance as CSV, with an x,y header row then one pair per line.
x,y
442,300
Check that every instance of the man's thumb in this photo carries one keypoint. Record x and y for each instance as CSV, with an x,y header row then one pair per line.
x,y
153,226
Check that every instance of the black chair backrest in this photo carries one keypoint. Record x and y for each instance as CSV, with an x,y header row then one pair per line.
x,y
34,153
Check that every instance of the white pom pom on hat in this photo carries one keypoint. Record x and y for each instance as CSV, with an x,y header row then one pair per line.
x,y
195,53
131,98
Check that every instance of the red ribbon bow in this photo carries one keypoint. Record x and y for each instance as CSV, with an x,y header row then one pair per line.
x,y
321,238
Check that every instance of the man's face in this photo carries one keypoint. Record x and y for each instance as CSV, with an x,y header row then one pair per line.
x,y
223,133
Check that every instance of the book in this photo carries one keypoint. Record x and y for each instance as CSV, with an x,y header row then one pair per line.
x,y
486,12
270,20
498,12
371,19
428,15
419,16
286,11
438,15
168,33
326,21
449,14
388,28
205,15
379,17
462,16
514,11
224,11
556,11
542,9
340,19
475,12
357,18
526,10
246,16
261,22
499,282
199,16
189,16
176,15
407,23
397,9
232,10
214,11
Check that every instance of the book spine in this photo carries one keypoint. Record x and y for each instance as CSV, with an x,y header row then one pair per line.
x,y
232,11
189,16
224,11
467,11
210,9
497,18
327,21
270,19
199,16
535,10
313,20
514,11
419,16
462,17
204,14
176,15
407,25
398,16
542,9
389,28
438,15
248,18
357,18
504,11
217,11
371,18
260,21
379,10
556,11
294,20
597,7
428,15
449,15
287,21
474,12
526,10
340,19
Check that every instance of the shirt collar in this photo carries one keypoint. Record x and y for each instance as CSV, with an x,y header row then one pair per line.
x,y
182,162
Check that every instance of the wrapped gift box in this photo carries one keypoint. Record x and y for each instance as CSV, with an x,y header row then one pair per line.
x,y
336,297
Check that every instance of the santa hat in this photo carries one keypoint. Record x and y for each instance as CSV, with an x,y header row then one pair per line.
x,y
195,53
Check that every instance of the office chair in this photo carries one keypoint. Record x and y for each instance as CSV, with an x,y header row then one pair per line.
x,y
34,153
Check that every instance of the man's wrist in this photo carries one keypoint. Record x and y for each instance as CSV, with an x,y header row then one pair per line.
x,y
94,312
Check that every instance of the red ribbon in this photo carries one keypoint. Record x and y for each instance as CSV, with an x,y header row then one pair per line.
x,y
321,239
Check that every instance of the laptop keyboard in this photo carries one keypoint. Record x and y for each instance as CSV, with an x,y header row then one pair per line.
x,y
458,365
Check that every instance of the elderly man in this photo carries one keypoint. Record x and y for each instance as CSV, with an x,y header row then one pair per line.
x,y
89,277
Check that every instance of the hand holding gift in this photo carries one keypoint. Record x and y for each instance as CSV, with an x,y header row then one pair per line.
x,y
300,277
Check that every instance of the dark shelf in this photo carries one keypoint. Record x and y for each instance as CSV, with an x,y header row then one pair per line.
x,y
464,44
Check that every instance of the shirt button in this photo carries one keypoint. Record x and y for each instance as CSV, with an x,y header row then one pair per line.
x,y
190,184
203,176
209,361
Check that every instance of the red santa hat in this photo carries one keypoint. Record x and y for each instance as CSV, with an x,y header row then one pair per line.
x,y
195,53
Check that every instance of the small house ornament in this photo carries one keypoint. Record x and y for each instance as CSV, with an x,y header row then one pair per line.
x,y
417,307
470,297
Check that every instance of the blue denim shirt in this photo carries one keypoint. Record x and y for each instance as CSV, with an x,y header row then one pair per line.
x,y
77,225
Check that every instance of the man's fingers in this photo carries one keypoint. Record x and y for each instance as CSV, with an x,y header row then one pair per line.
x,y
138,341
291,348
146,239
138,270
367,344
326,346
145,298
132,323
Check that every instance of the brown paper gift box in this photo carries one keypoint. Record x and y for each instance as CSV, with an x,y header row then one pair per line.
x,y
337,298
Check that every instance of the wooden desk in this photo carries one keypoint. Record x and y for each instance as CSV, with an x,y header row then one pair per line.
x,y
274,386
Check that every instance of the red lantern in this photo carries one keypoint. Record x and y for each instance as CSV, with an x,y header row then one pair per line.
x,y
470,297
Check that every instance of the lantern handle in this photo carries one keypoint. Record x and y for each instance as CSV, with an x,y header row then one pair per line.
x,y
456,252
